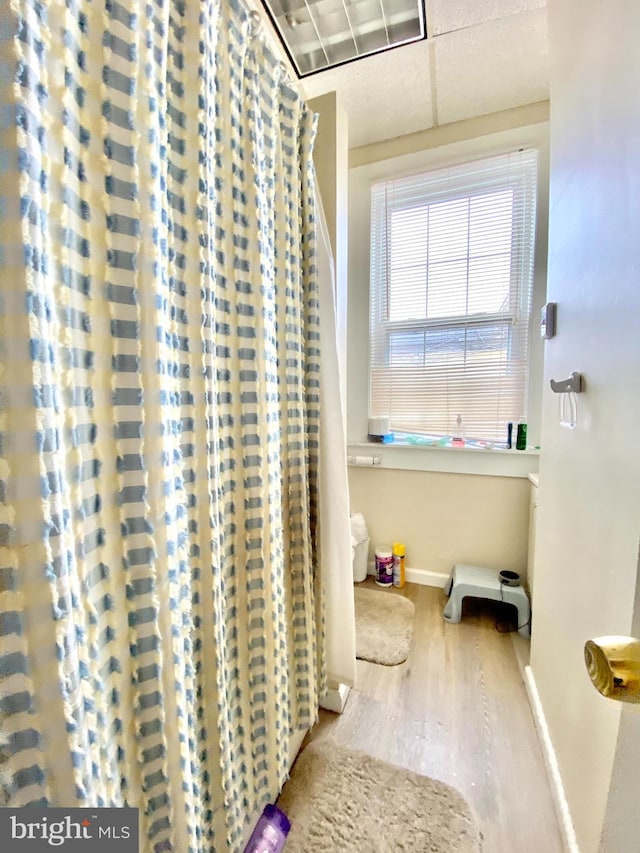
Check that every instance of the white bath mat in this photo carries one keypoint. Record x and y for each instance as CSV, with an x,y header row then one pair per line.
x,y
384,626
338,799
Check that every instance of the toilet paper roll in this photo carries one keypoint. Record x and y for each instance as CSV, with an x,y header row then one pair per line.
x,y
363,460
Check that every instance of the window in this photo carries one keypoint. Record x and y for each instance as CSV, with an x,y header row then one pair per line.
x,y
451,288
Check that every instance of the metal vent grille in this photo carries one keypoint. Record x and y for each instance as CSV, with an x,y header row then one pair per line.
x,y
320,34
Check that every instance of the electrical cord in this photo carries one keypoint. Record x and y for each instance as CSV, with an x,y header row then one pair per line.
x,y
503,627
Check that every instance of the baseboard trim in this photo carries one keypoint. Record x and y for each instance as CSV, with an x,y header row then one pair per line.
x,y
423,577
567,832
336,698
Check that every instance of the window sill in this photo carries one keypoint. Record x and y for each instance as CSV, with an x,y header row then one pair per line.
x,y
452,460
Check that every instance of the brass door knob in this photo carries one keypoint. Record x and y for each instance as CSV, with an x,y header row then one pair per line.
x,y
613,664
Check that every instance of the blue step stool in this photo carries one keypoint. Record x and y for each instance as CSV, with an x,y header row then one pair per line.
x,y
484,583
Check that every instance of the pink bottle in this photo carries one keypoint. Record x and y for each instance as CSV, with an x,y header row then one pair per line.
x,y
270,833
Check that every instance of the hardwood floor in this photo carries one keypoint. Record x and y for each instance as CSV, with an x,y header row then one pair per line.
x,y
457,711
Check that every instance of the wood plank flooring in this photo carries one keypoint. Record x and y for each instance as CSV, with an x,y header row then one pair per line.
x,y
457,711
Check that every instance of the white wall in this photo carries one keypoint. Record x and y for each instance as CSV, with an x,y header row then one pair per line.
x,y
330,157
444,519
589,499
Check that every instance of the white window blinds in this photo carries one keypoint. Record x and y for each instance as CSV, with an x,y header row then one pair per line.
x,y
451,285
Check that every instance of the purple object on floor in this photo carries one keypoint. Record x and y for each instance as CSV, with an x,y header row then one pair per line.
x,y
270,833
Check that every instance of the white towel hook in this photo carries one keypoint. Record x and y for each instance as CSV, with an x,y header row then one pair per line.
x,y
574,383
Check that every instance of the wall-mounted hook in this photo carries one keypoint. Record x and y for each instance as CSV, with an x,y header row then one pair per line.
x,y
573,383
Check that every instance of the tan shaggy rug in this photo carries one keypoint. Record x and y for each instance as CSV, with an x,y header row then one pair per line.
x,y
341,800
384,626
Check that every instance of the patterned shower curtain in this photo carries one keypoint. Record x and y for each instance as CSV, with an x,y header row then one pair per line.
x,y
161,629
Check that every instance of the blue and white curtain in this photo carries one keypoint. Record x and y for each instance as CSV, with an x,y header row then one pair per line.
x,y
161,621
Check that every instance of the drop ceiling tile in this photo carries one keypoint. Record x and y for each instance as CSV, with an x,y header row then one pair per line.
x,y
384,95
492,67
444,16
